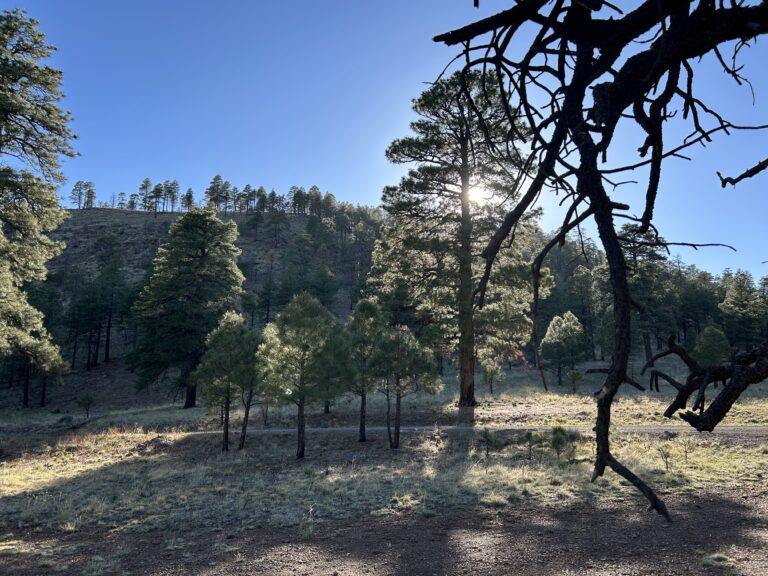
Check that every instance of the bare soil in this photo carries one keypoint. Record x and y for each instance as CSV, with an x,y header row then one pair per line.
x,y
724,533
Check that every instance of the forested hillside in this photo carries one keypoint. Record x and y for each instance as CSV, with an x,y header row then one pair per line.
x,y
286,248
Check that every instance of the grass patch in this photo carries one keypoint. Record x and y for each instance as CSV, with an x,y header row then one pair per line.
x,y
130,481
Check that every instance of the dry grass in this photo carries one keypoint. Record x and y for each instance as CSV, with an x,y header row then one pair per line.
x,y
130,481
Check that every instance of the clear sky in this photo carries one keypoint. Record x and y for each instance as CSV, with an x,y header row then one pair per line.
x,y
301,92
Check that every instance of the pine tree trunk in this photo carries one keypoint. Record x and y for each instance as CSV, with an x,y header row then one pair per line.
x,y
244,430
397,419
97,345
90,349
327,407
27,377
300,439
465,291
361,437
265,412
43,390
190,399
108,337
225,444
389,420
74,352
559,375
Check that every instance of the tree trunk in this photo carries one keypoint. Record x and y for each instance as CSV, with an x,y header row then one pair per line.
x,y
97,345
327,407
225,440
90,350
361,437
466,290
398,399
27,378
190,398
244,430
300,439
265,412
389,421
43,390
108,336
559,375
647,346
74,352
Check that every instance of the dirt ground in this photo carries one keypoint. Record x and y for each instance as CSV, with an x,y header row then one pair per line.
x,y
725,533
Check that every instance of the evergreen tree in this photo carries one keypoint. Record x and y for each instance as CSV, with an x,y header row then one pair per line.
x,y
35,131
711,347
296,354
229,369
90,195
365,331
188,200
741,309
145,194
170,194
195,279
448,148
408,367
563,344
77,196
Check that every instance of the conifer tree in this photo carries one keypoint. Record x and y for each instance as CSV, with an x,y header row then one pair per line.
x,y
564,344
365,332
407,367
448,148
35,131
195,279
229,368
295,356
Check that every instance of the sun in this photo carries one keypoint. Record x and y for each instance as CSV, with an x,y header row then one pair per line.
x,y
478,195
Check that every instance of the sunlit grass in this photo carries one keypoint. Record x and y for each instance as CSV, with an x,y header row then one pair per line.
x,y
128,481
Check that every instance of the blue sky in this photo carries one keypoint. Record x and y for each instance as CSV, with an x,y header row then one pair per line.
x,y
301,92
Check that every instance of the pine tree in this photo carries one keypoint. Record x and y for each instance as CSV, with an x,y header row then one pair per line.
x,y
741,309
145,194
564,344
36,132
365,332
229,368
448,148
295,357
195,279
407,367
188,200
90,195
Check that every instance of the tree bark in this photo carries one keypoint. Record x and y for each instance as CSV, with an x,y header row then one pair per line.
x,y
361,437
108,336
398,399
225,439
300,439
389,421
74,352
43,390
244,430
466,289
27,378
190,398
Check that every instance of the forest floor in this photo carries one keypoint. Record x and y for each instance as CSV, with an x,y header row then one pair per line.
x,y
142,487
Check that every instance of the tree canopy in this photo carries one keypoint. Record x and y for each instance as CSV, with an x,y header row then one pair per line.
x,y
36,134
195,279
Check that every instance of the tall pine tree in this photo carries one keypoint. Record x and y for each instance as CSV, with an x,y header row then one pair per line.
x,y
195,280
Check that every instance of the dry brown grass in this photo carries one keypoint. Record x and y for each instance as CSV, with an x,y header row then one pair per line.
x,y
130,481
